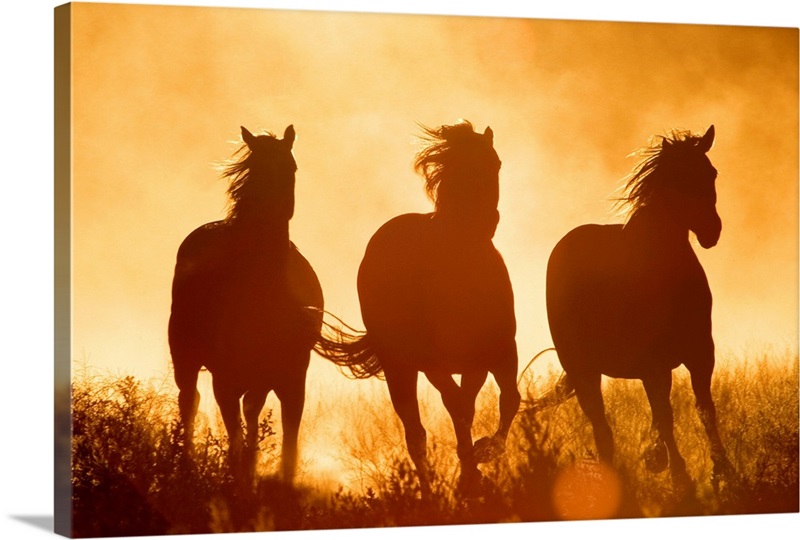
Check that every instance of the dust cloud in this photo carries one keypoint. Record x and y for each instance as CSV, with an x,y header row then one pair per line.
x,y
160,93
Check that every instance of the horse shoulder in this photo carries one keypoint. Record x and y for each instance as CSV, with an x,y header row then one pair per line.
x,y
201,243
585,251
395,246
401,230
589,237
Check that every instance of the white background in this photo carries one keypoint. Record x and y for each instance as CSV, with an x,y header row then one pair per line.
x,y
26,260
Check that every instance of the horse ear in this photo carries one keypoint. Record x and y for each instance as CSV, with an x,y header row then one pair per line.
x,y
289,136
489,134
248,138
707,141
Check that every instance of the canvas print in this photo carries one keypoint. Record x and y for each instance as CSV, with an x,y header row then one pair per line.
x,y
325,270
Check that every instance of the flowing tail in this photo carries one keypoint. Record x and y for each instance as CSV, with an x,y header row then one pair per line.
x,y
348,348
559,393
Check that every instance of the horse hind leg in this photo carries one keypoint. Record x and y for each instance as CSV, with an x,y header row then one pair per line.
x,y
658,390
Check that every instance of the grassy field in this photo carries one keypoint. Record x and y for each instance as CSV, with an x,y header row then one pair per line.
x,y
130,477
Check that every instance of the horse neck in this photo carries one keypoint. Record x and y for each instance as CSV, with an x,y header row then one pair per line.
x,y
468,225
270,235
657,227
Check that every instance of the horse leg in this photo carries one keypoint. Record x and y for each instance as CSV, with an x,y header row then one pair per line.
x,y
252,404
188,400
460,404
487,449
658,389
701,385
403,392
590,398
228,402
292,394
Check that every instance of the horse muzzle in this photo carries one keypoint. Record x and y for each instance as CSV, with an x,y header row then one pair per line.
x,y
709,234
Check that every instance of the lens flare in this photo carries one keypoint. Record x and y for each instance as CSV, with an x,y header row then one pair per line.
x,y
587,490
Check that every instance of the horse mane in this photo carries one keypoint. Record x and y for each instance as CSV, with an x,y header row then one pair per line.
x,y
448,152
655,168
238,170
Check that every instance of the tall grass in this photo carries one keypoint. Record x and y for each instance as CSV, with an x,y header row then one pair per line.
x,y
131,475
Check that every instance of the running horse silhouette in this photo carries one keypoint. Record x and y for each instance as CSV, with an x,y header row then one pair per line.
x,y
436,298
632,300
240,303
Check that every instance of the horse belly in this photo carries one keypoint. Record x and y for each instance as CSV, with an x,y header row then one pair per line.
x,y
616,312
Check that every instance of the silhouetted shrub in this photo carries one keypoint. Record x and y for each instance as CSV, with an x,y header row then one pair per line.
x,y
131,475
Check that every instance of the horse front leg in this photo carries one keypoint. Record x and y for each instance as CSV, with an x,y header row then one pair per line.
x,y
701,385
252,405
460,404
186,374
292,394
658,388
489,448
402,385
229,407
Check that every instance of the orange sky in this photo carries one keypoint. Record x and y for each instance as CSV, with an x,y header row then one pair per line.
x,y
159,93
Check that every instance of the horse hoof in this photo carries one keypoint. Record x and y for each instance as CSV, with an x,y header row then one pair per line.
x,y
723,467
656,458
722,473
682,483
487,449
470,485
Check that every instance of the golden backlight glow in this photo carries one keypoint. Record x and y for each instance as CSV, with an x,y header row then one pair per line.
x,y
161,92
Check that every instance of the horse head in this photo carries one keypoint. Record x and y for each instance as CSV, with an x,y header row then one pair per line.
x,y
676,181
262,179
461,170
695,190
